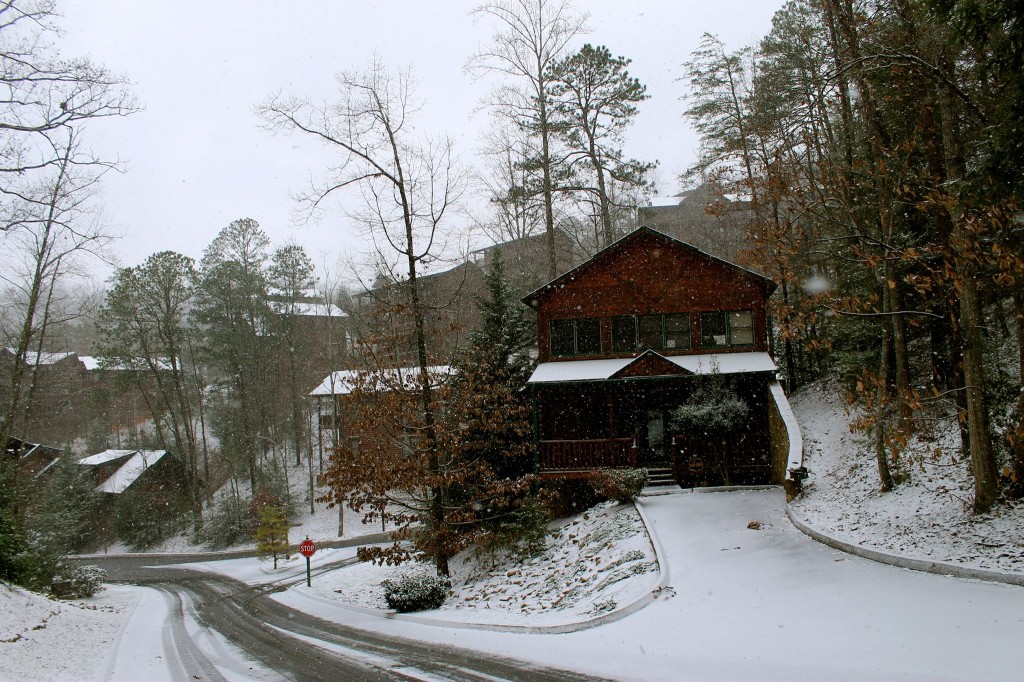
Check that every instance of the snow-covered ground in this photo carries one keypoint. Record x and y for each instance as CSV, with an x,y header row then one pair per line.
x,y
593,564
927,517
768,604
43,639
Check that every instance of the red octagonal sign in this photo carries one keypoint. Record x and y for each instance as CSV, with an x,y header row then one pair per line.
x,y
307,547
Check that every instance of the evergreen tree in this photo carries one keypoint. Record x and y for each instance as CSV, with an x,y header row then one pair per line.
x,y
492,378
272,533
594,99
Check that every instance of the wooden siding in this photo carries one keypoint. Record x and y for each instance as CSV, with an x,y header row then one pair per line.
x,y
648,274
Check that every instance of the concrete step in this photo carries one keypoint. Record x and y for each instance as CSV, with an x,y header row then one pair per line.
x,y
660,476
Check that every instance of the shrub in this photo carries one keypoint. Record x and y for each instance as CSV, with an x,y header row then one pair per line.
x,y
621,485
143,520
568,496
77,582
415,592
14,554
228,523
521,533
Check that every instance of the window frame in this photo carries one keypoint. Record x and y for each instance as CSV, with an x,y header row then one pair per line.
x,y
726,318
575,323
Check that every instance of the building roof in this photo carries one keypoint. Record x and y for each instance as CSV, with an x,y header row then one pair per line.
x,y
105,456
137,463
345,381
93,363
532,298
603,370
34,359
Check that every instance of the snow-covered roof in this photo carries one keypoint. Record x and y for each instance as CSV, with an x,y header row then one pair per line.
x,y
665,201
93,363
307,309
105,456
600,370
345,381
34,359
130,471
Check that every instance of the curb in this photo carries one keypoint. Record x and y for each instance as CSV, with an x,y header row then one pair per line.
x,y
926,565
355,541
676,490
563,628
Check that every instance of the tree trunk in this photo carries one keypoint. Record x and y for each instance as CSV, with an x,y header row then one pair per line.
x,y
1016,437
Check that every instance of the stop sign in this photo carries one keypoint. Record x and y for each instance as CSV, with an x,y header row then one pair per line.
x,y
307,547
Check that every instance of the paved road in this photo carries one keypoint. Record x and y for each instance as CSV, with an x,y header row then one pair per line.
x,y
282,639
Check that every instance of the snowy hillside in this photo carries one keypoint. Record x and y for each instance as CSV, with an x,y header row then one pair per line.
x,y
594,563
927,517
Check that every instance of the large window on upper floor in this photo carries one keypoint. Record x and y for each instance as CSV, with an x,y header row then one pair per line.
x,y
726,328
631,333
576,337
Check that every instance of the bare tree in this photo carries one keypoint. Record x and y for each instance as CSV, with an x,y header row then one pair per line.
x,y
530,37
408,186
52,237
44,96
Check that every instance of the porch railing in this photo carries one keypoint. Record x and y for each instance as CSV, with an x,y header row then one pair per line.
x,y
578,455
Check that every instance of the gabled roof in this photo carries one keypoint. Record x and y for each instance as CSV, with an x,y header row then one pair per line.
x,y
136,464
618,368
532,298
345,381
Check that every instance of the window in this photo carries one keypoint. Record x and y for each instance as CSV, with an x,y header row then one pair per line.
x,y
654,332
563,337
720,328
741,328
576,337
624,334
649,327
713,328
353,443
677,332
588,336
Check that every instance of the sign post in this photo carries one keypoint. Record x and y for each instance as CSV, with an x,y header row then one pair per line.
x,y
307,548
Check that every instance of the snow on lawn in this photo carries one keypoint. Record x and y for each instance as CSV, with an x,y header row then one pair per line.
x,y
764,604
593,564
927,517
45,639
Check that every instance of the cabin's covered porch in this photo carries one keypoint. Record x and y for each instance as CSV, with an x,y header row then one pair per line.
x,y
614,413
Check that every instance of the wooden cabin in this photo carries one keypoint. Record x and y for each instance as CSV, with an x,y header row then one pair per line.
x,y
625,339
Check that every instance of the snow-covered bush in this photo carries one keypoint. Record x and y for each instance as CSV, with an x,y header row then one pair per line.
x,y
415,592
77,582
621,485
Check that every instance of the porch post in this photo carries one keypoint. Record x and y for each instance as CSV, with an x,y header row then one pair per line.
x,y
536,430
609,398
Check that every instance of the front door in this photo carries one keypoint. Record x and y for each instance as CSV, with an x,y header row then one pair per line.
x,y
654,450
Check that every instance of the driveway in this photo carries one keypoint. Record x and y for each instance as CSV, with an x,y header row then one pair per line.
x,y
767,604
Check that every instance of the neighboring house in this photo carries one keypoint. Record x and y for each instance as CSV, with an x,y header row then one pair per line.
x,y
136,471
122,393
33,460
622,341
384,320
54,389
385,323
335,405
713,222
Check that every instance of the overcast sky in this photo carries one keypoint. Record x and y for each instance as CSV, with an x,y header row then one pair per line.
x,y
195,158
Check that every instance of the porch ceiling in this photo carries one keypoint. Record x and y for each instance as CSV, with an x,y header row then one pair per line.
x,y
602,370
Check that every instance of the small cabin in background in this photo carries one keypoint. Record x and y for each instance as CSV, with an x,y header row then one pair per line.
x,y
336,403
625,338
